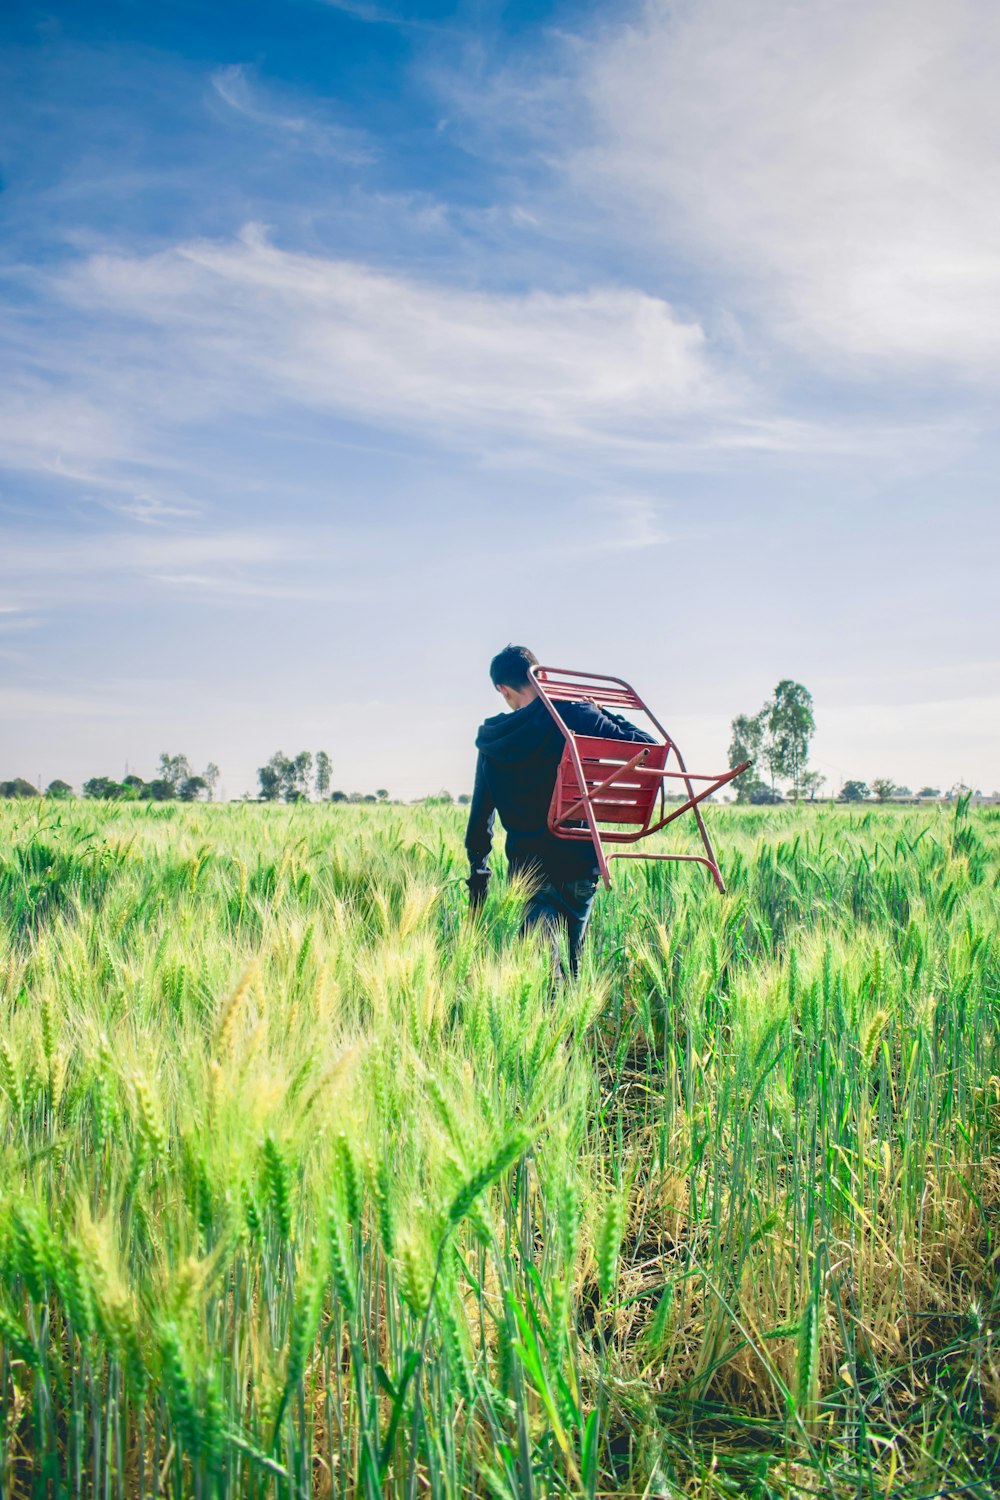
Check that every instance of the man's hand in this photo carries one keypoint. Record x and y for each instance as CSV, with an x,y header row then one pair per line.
x,y
478,886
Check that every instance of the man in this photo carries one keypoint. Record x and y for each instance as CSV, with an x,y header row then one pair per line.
x,y
515,775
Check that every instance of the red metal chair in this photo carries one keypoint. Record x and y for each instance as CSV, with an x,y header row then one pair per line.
x,y
616,782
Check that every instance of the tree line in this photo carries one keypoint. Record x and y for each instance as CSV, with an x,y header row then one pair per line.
x,y
775,740
174,780
293,778
884,789
284,778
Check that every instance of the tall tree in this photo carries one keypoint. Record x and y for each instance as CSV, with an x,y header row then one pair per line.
x,y
296,783
324,772
811,783
210,776
272,777
791,726
749,732
174,769
286,778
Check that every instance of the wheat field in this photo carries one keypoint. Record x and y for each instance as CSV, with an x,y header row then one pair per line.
x,y
310,1187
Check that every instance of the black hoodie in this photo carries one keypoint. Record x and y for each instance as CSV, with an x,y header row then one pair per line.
x,y
515,774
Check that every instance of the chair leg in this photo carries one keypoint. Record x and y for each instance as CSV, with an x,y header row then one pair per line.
x,y
713,863
602,858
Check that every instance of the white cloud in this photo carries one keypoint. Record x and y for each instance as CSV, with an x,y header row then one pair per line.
x,y
836,159
245,325
137,349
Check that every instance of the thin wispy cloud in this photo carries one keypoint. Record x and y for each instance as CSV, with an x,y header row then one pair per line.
x,y
108,552
150,510
637,525
226,588
233,88
236,87
59,422
833,164
379,15
602,527
231,564
626,523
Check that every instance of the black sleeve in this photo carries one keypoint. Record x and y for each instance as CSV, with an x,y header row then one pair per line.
x,y
584,718
479,837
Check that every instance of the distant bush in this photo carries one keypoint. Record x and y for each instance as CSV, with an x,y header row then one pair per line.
x,y
762,795
18,788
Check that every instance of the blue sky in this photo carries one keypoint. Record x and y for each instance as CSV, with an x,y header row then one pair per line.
x,y
343,343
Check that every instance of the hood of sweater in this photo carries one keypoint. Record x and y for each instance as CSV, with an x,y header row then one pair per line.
x,y
520,735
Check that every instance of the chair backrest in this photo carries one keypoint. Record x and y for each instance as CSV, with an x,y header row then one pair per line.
x,y
560,684
630,798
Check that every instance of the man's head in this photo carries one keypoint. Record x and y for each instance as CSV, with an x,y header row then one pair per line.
x,y
509,673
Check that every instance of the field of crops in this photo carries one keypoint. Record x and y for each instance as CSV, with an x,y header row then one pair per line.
x,y
308,1187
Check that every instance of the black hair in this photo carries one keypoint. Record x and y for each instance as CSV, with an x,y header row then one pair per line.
x,y
509,668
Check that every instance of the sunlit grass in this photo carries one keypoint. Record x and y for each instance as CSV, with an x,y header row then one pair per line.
x,y
309,1187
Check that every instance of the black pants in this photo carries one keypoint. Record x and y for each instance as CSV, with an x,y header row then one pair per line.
x,y
566,905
